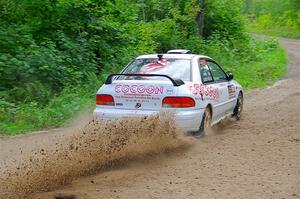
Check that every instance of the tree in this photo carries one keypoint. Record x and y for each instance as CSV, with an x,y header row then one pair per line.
x,y
200,16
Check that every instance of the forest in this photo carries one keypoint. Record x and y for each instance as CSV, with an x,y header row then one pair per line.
x,y
274,17
55,54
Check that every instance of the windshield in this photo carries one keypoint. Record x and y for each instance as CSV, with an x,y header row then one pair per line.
x,y
175,68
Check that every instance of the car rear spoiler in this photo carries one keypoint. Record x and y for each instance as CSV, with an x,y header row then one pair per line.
x,y
175,82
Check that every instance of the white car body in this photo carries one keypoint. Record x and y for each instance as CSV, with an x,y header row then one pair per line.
x,y
135,97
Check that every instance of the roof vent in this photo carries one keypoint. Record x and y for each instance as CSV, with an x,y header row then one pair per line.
x,y
179,51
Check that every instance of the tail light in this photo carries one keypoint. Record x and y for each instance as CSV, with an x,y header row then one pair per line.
x,y
178,102
102,99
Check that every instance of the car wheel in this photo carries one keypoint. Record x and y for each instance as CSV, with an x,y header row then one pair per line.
x,y
205,123
237,112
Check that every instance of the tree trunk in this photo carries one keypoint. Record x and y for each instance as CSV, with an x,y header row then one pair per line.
x,y
200,16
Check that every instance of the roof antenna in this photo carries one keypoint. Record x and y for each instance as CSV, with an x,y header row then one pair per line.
x,y
160,57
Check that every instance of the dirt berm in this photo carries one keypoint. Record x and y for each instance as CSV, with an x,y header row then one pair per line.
x,y
256,157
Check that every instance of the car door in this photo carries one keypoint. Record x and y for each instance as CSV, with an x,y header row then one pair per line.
x,y
212,92
227,89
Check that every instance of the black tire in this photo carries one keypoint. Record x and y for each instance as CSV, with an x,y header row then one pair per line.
x,y
237,112
205,124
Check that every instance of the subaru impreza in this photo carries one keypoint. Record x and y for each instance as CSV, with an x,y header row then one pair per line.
x,y
195,87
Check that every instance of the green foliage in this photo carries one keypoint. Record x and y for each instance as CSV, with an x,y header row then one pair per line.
x,y
32,116
224,17
55,53
274,17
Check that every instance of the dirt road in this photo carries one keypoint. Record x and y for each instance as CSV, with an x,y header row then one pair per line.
x,y
257,157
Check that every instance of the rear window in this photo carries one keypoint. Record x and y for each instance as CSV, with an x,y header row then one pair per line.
x,y
175,68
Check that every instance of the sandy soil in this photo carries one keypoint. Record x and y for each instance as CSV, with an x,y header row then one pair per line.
x,y
256,157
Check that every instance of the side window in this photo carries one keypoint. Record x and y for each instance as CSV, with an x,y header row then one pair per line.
x,y
205,72
217,72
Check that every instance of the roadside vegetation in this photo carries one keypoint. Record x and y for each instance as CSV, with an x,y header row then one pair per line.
x,y
54,54
274,17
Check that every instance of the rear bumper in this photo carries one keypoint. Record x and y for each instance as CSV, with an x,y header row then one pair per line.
x,y
188,120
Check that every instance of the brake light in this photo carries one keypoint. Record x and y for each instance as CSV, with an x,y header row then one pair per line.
x,y
178,102
102,99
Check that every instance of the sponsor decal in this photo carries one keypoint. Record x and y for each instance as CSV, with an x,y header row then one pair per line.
x,y
155,66
137,97
209,92
138,105
169,91
139,89
119,104
231,91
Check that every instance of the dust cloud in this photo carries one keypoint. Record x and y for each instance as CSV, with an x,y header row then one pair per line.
x,y
95,146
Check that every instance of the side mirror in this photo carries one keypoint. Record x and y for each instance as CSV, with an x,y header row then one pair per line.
x,y
229,76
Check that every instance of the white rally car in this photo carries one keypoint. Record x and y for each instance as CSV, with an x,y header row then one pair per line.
x,y
195,86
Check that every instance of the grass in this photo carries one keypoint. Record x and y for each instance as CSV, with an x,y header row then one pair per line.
x,y
263,65
260,74
58,112
275,31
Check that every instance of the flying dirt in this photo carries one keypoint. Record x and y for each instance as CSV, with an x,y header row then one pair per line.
x,y
256,157
97,145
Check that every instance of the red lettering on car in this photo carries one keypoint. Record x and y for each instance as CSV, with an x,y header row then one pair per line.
x,y
139,89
